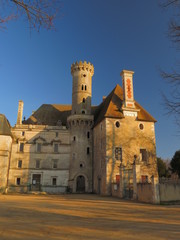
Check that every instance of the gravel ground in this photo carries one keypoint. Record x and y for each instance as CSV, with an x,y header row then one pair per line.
x,y
85,217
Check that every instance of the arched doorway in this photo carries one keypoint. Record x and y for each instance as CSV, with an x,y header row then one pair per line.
x,y
80,184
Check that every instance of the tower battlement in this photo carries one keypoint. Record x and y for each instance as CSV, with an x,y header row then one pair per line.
x,y
79,66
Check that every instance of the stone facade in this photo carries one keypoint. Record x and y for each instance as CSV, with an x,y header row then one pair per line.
x,y
79,147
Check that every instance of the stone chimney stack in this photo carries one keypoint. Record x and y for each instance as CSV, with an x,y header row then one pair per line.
x,y
128,93
20,112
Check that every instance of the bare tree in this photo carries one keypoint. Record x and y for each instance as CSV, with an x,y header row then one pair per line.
x,y
38,13
172,103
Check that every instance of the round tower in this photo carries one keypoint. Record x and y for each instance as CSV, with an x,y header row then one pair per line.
x,y
82,73
80,123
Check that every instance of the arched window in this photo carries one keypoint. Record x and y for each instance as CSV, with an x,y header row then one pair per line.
x,y
83,112
84,100
85,88
82,87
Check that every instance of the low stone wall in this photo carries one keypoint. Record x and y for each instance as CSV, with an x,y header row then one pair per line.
x,y
18,189
54,189
28,188
169,192
145,192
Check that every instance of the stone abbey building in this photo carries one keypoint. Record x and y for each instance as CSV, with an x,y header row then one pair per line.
x,y
80,147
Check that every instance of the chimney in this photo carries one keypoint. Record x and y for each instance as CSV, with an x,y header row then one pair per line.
x,y
104,97
20,112
128,93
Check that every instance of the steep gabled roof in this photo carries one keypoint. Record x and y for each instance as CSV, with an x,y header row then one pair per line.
x,y
112,107
50,114
5,128
55,114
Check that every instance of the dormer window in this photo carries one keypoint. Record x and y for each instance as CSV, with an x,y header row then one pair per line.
x,y
56,148
38,147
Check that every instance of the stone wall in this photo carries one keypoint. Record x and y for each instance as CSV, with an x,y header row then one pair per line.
x,y
31,136
5,153
169,192
99,158
145,192
131,139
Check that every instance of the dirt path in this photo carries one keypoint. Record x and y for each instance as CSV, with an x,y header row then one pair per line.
x,y
85,217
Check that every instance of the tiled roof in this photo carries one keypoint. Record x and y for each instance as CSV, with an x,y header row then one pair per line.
x,y
5,128
52,114
112,107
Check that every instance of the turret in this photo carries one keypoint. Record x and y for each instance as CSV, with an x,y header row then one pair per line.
x,y
82,73
80,123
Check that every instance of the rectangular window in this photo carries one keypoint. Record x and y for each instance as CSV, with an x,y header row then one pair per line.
x,y
88,151
144,179
55,147
18,181
118,153
54,163
56,134
38,147
54,181
37,163
117,179
23,133
143,154
21,147
19,163
88,134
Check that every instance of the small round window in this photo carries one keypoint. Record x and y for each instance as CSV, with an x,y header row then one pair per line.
x,y
81,165
141,126
117,124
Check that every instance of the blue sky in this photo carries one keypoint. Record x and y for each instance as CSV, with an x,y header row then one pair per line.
x,y
113,35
